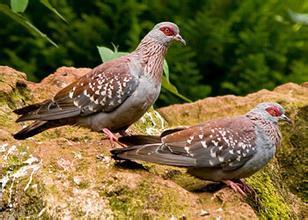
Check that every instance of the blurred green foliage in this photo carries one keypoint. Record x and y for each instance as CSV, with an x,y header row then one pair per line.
x,y
233,46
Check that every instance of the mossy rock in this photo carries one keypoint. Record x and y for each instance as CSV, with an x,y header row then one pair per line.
x,y
73,175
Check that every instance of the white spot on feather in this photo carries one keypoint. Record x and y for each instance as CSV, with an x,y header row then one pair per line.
x,y
212,153
71,94
76,103
203,143
215,143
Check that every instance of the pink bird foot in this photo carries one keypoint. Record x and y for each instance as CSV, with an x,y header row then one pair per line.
x,y
113,139
235,186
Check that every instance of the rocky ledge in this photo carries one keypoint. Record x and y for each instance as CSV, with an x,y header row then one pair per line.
x,y
68,173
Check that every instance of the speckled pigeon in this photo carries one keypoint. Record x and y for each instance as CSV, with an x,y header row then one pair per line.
x,y
219,150
110,97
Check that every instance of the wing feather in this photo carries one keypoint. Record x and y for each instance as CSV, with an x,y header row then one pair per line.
x,y
103,89
225,143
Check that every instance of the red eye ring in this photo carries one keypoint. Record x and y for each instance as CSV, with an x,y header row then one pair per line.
x,y
167,31
273,111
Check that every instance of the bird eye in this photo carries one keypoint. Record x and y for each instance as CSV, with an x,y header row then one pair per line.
x,y
273,111
167,31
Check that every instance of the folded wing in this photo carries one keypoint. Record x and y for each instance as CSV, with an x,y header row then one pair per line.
x,y
102,90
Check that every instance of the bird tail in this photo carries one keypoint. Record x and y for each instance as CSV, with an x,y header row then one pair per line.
x,y
139,140
138,152
40,126
27,109
147,139
31,130
151,150
27,112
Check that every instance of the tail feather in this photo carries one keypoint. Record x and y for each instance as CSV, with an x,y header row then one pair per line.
x,y
40,126
155,153
139,140
27,109
147,139
172,130
33,129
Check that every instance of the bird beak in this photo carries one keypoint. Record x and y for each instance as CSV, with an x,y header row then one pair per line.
x,y
285,118
180,39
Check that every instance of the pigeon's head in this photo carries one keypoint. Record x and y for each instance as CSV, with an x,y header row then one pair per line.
x,y
165,33
270,111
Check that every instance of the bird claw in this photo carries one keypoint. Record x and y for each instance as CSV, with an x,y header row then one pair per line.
x,y
112,138
245,187
236,187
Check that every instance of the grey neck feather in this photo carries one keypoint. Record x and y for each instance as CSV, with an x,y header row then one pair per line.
x,y
256,115
269,125
152,53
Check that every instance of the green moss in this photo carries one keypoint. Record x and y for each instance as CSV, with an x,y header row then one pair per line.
x,y
14,160
177,175
16,98
23,203
271,204
6,120
188,182
30,202
293,153
151,122
145,201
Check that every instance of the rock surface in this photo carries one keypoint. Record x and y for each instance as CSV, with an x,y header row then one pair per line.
x,y
68,172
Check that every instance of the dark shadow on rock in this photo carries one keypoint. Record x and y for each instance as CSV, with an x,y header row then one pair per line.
x,y
127,164
211,187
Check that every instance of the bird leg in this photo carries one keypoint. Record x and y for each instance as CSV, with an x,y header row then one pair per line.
x,y
113,139
124,133
246,188
235,186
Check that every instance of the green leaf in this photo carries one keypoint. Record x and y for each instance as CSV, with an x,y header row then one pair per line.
x,y
107,54
19,5
166,70
51,8
299,18
171,88
25,22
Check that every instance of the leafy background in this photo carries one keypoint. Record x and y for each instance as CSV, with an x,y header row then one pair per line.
x,y
233,46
